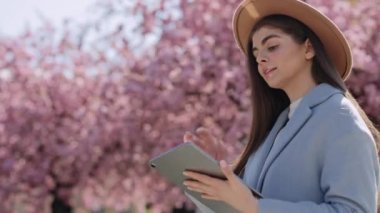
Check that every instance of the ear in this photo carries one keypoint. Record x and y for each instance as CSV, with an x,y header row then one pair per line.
x,y
309,50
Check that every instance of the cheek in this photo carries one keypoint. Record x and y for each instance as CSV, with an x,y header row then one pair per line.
x,y
260,70
287,57
279,54
261,67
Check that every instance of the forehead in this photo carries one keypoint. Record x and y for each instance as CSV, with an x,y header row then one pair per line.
x,y
263,32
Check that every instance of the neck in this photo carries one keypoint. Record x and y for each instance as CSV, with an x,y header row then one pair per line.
x,y
298,89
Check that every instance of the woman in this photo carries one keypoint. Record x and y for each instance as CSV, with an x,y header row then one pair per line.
x,y
311,148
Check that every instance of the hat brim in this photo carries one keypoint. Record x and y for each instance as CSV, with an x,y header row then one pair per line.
x,y
333,40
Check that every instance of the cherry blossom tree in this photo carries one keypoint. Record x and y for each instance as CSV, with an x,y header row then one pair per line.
x,y
84,108
359,21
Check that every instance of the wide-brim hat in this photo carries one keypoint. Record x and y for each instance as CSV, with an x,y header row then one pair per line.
x,y
250,11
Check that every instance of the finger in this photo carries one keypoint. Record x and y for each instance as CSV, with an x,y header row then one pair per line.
x,y
193,189
205,179
199,187
197,176
189,137
210,197
227,171
210,141
206,135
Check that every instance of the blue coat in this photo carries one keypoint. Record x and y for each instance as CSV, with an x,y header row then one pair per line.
x,y
323,160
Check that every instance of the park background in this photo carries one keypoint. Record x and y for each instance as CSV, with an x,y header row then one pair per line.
x,y
85,104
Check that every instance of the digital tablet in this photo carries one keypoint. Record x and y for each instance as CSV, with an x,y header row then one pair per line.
x,y
188,156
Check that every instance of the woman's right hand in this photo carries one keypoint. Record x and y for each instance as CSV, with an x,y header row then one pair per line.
x,y
208,142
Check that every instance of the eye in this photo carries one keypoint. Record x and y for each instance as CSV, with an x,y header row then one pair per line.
x,y
272,48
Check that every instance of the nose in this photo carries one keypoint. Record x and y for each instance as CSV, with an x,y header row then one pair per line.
x,y
261,57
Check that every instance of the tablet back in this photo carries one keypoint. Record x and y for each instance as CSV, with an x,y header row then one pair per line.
x,y
188,156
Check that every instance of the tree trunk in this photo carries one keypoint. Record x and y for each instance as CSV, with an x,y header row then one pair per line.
x,y
182,210
60,206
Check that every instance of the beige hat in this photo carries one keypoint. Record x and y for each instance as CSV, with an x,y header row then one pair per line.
x,y
335,44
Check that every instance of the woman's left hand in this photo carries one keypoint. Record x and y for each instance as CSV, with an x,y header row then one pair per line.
x,y
231,191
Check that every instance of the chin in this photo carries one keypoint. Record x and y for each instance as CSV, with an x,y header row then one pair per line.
x,y
275,85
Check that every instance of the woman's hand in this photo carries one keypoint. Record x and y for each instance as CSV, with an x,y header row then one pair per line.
x,y
231,191
203,138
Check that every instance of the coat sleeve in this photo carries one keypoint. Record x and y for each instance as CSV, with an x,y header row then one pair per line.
x,y
349,178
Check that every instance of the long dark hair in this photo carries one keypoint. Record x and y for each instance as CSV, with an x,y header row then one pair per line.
x,y
268,103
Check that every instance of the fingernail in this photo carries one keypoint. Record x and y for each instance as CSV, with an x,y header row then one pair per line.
x,y
188,136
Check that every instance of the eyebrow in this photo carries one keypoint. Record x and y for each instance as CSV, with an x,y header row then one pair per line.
x,y
265,40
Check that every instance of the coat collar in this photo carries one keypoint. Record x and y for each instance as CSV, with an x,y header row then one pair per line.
x,y
282,133
319,94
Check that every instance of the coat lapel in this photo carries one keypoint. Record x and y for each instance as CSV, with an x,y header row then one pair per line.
x,y
280,138
256,161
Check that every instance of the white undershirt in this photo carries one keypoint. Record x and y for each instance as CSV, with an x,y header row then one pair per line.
x,y
293,107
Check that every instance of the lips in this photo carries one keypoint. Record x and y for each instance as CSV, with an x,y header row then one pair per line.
x,y
268,71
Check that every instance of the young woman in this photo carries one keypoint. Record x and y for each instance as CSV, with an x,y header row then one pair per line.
x,y
311,147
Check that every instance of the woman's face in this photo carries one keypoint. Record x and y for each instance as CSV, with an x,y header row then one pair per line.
x,y
282,62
